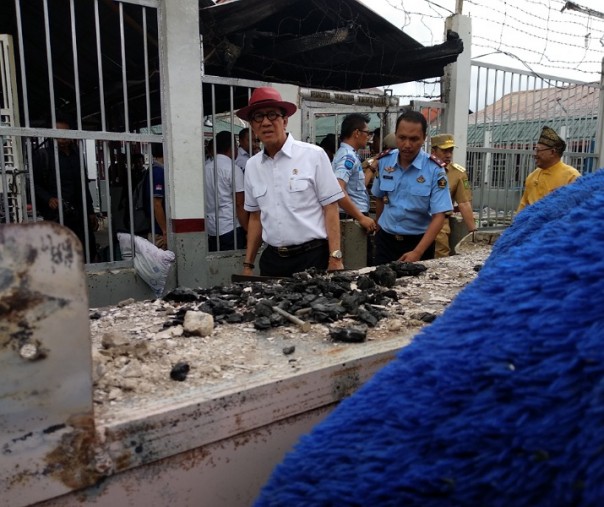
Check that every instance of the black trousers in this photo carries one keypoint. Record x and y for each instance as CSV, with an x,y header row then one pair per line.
x,y
75,222
388,248
273,264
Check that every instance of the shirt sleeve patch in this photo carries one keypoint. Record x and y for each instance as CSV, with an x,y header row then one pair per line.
x,y
466,184
349,162
442,182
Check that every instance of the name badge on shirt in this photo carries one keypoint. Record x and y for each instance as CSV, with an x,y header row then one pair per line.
x,y
387,177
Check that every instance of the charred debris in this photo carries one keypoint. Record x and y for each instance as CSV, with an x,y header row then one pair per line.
x,y
311,296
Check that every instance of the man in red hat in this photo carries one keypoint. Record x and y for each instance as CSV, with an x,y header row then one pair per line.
x,y
291,193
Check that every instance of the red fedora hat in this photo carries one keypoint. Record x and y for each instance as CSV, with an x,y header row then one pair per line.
x,y
265,96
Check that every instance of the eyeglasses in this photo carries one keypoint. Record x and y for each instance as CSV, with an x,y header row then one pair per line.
x,y
537,150
368,132
271,115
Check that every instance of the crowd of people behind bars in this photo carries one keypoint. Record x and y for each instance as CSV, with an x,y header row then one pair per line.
x,y
290,196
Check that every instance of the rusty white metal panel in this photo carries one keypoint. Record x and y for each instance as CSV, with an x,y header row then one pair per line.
x,y
46,418
229,473
51,443
199,418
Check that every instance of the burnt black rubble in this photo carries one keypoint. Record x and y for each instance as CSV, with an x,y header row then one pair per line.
x,y
180,371
354,334
312,295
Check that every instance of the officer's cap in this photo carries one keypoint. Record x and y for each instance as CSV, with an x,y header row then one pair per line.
x,y
443,141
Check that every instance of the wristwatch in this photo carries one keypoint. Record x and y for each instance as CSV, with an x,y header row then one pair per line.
x,y
336,254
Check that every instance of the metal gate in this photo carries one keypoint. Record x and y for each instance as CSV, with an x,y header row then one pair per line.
x,y
96,64
509,108
323,112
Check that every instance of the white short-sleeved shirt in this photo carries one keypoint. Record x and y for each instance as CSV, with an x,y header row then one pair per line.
x,y
224,177
290,191
242,158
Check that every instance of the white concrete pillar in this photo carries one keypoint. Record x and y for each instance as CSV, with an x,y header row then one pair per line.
x,y
457,87
180,54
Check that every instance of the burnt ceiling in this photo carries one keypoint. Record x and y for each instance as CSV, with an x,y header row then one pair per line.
x,y
340,44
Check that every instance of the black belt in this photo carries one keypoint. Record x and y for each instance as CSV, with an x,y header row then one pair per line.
x,y
403,237
289,251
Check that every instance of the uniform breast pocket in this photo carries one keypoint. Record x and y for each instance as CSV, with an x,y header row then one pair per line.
x,y
358,181
419,197
299,192
386,184
259,193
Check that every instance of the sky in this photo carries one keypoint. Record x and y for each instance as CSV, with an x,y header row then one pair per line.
x,y
531,35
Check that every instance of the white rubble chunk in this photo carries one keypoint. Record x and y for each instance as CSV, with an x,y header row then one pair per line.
x,y
198,323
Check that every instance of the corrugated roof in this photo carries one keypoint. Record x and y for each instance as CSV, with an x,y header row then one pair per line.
x,y
516,119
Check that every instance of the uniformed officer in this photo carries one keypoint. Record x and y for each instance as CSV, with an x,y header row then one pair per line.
x,y
459,186
412,195
348,169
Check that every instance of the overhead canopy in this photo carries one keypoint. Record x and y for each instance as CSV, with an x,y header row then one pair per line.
x,y
338,45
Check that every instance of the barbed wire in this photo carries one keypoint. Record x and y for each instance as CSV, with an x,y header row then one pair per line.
x,y
532,34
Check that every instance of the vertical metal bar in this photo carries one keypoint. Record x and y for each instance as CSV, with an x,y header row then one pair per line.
x,y
489,158
99,55
22,62
107,163
76,72
25,107
146,61
82,145
124,69
233,166
151,188
149,154
52,108
517,116
84,177
5,186
126,129
498,138
214,169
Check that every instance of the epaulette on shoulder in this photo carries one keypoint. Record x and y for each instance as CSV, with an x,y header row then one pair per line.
x,y
383,153
458,167
437,161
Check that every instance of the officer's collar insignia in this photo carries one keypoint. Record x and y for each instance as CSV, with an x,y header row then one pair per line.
x,y
421,179
434,158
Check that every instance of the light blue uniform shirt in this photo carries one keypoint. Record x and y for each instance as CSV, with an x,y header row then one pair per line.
x,y
348,168
414,194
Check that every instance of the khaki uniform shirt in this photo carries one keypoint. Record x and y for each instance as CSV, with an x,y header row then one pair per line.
x,y
459,185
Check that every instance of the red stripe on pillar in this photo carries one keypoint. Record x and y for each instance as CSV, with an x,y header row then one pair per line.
x,y
183,225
